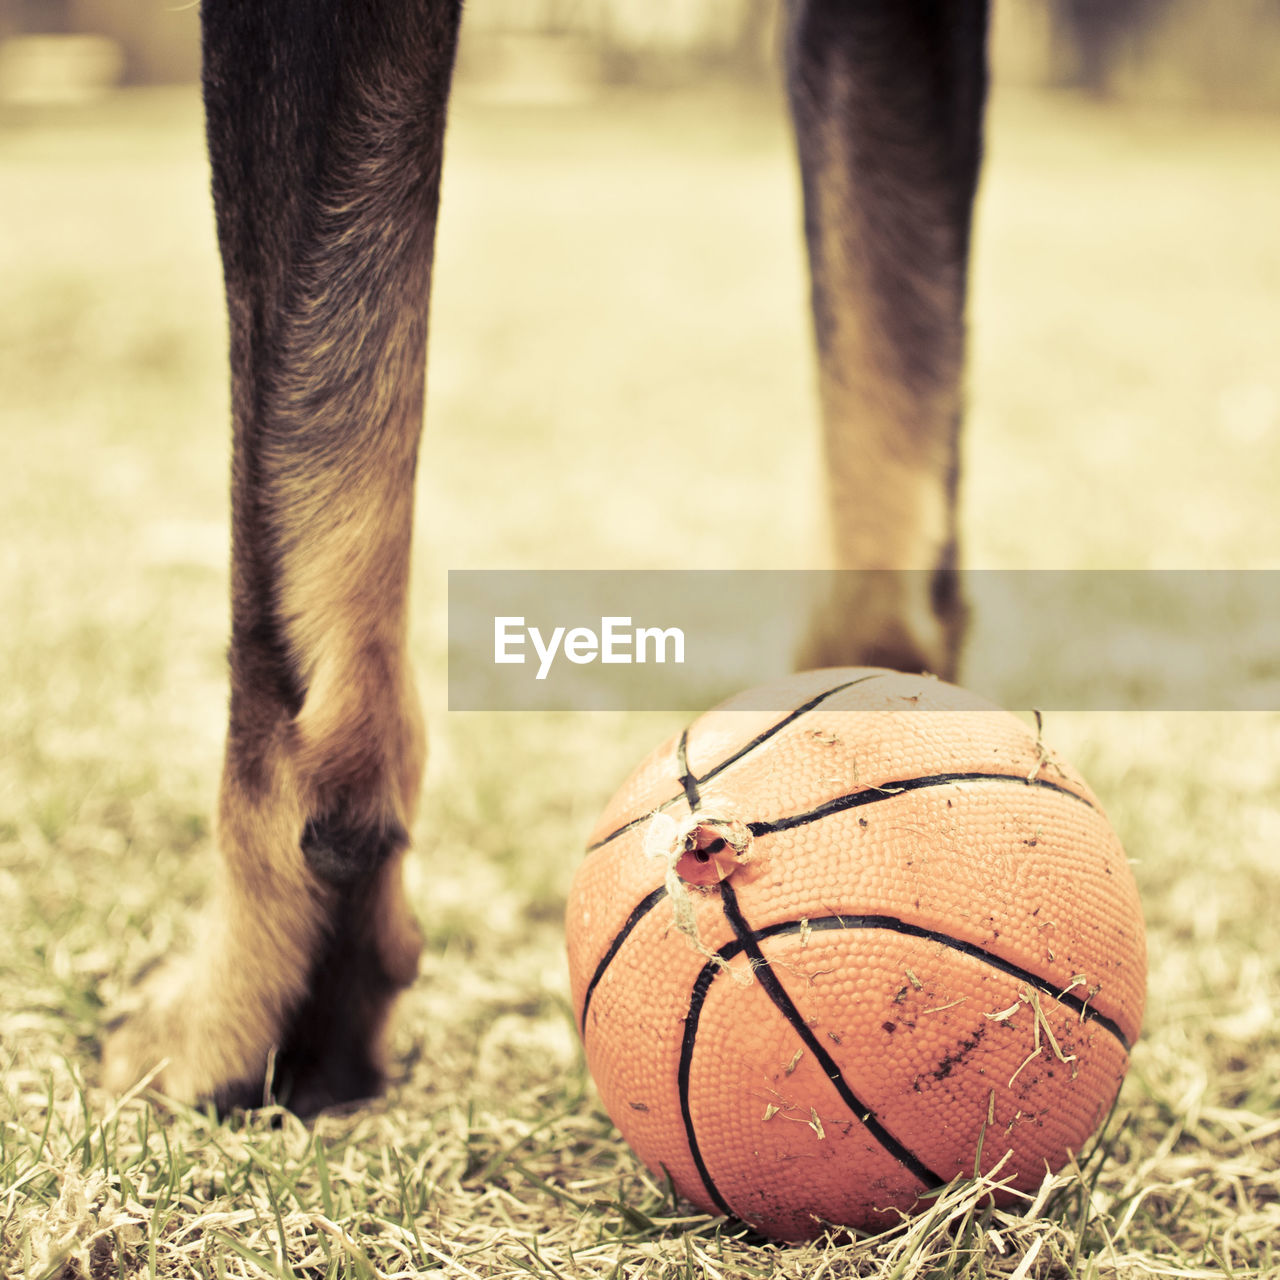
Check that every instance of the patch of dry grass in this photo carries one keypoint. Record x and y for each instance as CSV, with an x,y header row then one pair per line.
x,y
643,316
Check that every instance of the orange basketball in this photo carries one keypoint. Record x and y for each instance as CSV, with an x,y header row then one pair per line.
x,y
827,957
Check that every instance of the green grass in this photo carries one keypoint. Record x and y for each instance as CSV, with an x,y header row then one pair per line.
x,y
639,320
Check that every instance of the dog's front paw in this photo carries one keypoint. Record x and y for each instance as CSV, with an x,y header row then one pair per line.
x,y
187,1042
907,621
233,1028
282,1002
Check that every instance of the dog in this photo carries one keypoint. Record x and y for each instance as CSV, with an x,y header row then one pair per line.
x,y
325,123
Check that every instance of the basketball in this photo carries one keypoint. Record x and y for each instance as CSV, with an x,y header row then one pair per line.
x,y
827,956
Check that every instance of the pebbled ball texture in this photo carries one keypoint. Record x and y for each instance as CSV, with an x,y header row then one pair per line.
x,y
930,945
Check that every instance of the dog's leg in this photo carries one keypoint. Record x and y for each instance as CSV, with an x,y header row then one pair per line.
x,y
325,123
887,100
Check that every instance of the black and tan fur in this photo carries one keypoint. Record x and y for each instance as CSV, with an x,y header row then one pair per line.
x,y
325,124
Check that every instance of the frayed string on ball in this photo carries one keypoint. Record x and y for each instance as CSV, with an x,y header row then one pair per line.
x,y
700,849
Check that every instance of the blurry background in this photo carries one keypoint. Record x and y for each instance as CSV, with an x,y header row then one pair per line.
x,y
1172,51
620,375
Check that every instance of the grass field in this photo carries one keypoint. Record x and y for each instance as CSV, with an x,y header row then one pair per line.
x,y
619,304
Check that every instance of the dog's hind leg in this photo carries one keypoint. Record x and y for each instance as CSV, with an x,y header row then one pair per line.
x,y
325,124
887,100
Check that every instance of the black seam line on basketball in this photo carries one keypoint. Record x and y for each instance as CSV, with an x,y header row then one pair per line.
x,y
697,997
887,791
642,909
892,924
830,1068
635,822
686,779
733,759
789,718
712,968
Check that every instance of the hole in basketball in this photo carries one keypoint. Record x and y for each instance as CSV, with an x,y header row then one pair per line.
x,y
708,856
